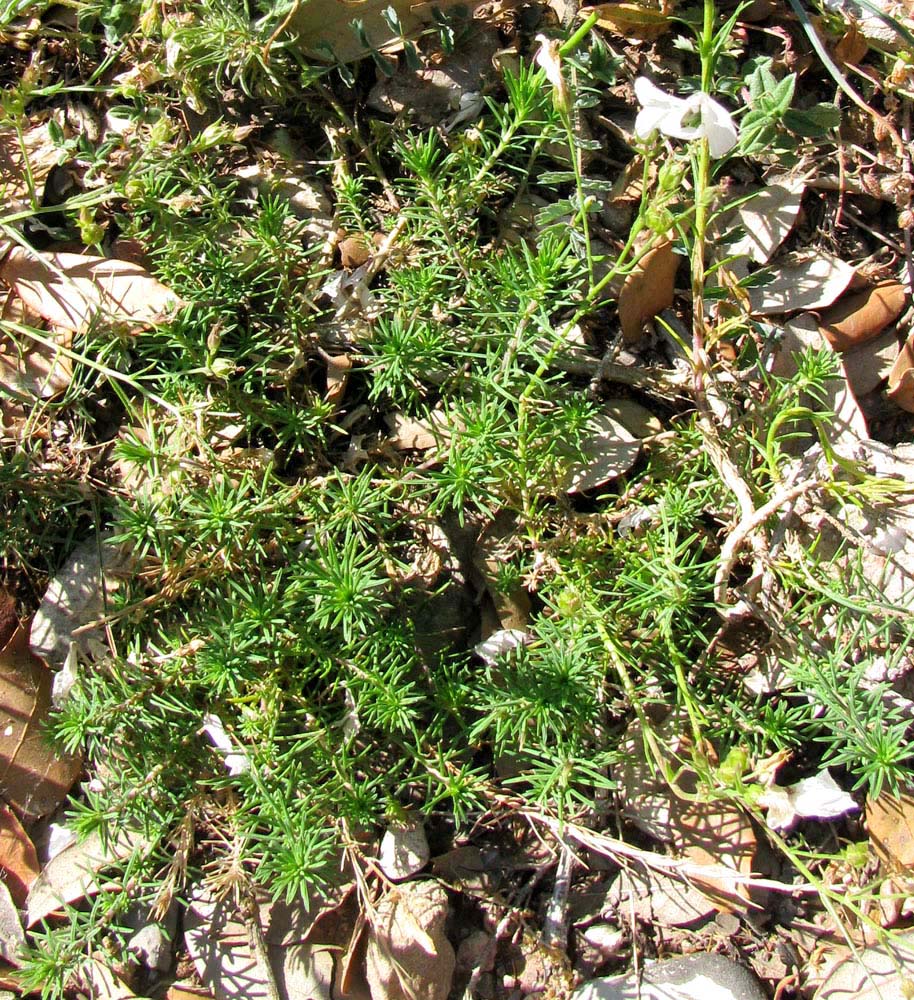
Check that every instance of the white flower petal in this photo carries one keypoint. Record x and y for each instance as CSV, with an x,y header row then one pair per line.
x,y
659,110
499,643
718,126
781,813
236,762
673,117
674,121
650,95
215,730
820,797
649,120
548,58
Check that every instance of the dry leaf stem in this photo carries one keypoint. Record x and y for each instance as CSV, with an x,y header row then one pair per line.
x,y
742,532
555,925
251,917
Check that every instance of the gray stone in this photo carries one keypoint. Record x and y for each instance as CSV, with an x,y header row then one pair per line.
x,y
691,977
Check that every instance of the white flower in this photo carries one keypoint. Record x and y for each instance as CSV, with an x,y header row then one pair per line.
x,y
499,643
706,118
548,57
237,763
818,797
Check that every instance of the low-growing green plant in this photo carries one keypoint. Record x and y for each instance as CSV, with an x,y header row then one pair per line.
x,y
286,589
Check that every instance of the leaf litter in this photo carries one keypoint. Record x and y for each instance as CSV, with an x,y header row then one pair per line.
x,y
34,777
72,291
401,947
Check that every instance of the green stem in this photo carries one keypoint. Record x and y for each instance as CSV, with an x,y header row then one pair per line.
x,y
569,46
707,46
575,155
701,173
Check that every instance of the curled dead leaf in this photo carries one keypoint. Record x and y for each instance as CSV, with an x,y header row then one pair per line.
x,y
408,955
18,857
338,369
648,290
861,317
901,377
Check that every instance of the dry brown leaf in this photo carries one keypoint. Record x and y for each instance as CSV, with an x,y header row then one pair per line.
x,y
809,280
849,425
351,982
187,991
882,973
36,151
301,946
338,369
767,218
716,833
467,867
633,416
414,434
105,984
648,290
9,620
34,776
657,898
70,290
901,377
890,823
404,850
354,251
633,21
28,367
12,934
861,317
645,795
71,875
408,955
18,858
75,597
497,544
851,47
321,23
708,833
608,452
869,365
